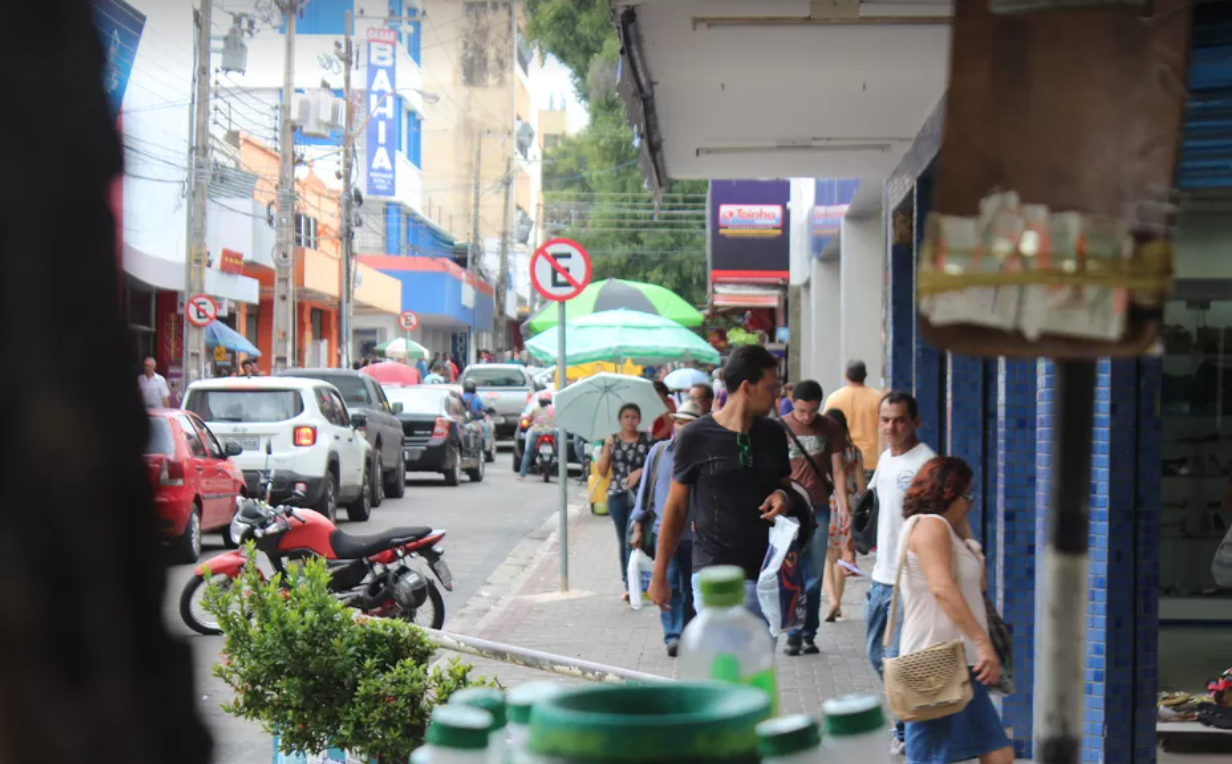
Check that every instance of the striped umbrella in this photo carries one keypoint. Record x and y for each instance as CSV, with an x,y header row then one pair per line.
x,y
615,294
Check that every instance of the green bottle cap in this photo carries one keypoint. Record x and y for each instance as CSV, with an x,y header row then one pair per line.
x,y
459,727
522,699
853,715
787,735
680,723
490,700
721,586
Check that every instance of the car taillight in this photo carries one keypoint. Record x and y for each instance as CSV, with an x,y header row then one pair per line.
x,y
171,473
441,428
305,436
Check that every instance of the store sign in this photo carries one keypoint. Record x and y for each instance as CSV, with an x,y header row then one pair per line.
x,y
382,134
119,27
750,219
231,261
749,224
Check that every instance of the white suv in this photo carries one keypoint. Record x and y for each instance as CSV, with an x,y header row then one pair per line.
x,y
305,422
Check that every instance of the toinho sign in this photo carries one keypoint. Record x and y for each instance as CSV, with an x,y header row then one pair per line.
x,y
201,310
408,320
560,269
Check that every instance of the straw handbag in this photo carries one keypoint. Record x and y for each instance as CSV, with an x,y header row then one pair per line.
x,y
931,683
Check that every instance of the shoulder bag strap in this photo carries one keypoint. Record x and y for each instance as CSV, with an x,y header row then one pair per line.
x,y
898,575
808,457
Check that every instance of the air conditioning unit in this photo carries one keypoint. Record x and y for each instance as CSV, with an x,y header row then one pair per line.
x,y
319,113
523,227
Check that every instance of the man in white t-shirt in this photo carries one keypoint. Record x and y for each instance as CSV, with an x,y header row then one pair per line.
x,y
154,391
898,419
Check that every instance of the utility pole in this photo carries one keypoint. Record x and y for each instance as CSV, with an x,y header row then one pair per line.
x,y
348,267
199,179
284,257
472,252
500,325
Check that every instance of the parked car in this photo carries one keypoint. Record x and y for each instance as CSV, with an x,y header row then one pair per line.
x,y
506,388
315,447
364,396
195,482
437,436
519,440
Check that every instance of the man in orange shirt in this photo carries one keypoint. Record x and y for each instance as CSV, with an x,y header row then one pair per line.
x,y
860,404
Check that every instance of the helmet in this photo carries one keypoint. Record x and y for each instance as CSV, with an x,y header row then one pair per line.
x,y
469,386
545,398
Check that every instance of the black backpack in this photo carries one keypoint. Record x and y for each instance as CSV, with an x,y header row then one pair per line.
x,y
864,520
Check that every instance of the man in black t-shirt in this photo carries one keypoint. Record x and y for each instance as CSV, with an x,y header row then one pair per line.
x,y
730,477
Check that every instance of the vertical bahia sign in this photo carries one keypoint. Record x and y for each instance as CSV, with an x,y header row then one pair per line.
x,y
382,137
119,27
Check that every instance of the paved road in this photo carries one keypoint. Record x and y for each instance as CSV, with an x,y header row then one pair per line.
x,y
485,522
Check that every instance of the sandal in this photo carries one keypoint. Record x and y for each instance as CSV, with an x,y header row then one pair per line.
x,y
835,613
624,596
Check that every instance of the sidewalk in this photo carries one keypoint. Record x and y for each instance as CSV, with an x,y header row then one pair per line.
x,y
590,622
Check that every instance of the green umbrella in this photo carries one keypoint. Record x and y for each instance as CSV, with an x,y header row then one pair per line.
x,y
619,335
402,349
614,294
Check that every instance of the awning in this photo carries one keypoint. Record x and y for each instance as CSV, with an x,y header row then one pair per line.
x,y
161,273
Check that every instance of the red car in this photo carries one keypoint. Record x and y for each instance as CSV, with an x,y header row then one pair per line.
x,y
194,481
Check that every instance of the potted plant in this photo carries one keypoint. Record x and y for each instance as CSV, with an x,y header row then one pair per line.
x,y
318,676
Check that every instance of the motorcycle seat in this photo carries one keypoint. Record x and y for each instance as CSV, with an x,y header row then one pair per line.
x,y
349,547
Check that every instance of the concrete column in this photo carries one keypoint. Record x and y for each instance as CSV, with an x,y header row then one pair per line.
x,y
862,264
825,340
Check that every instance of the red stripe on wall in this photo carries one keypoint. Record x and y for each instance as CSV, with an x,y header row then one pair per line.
x,y
425,264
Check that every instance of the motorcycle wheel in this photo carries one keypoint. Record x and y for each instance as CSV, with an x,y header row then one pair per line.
x,y
431,620
547,473
192,613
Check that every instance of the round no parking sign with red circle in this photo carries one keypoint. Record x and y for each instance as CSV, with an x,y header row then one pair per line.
x,y
201,310
560,269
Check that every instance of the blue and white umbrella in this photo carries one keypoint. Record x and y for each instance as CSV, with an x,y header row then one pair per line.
x,y
683,379
218,334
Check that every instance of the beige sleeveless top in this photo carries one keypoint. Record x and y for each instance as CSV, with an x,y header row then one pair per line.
x,y
924,622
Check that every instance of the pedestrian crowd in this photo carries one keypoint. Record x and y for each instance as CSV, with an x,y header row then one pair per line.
x,y
708,480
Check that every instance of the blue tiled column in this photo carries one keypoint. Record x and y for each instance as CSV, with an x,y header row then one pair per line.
x,y
1019,407
1122,608
964,423
991,371
900,308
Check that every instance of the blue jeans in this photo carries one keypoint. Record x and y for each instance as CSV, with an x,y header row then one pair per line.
x,y
877,618
619,507
679,575
750,596
814,563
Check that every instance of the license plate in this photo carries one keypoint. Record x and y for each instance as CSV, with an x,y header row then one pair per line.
x,y
545,450
412,454
441,569
247,442
498,419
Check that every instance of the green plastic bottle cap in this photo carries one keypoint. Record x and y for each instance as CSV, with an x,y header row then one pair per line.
x,y
488,699
679,723
721,586
459,727
787,735
521,699
853,715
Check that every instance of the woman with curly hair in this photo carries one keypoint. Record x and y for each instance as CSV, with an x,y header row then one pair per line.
x,y
942,590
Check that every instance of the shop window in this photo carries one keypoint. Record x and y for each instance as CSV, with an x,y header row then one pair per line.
x,y
306,231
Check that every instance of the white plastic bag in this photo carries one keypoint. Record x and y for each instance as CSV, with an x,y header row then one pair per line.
x,y
780,587
1221,566
640,568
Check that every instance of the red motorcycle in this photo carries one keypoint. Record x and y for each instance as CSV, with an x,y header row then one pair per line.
x,y
544,455
370,573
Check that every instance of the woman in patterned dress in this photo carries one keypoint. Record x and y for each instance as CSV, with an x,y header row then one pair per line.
x,y
841,544
624,454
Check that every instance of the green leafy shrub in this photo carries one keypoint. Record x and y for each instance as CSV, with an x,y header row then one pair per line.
x,y
310,671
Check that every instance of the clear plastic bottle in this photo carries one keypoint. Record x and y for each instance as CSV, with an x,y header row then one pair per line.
x,y
457,734
518,704
856,730
492,701
725,642
792,739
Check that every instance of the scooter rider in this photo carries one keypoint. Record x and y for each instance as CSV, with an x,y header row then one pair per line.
x,y
541,419
470,397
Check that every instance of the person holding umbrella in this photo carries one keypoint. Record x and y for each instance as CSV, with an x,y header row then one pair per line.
x,y
624,455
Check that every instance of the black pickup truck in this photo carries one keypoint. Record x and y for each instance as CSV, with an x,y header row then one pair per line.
x,y
363,395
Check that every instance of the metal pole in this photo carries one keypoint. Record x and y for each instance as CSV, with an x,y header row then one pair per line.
x,y
1059,682
199,177
562,375
284,264
498,322
348,288
472,252
556,664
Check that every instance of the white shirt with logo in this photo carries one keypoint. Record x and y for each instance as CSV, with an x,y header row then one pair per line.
x,y
892,479
153,390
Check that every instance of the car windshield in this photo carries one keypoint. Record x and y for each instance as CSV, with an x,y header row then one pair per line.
x,y
245,405
353,390
489,377
161,439
418,400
